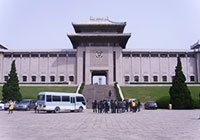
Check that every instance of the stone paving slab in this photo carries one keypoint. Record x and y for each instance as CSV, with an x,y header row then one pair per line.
x,y
145,125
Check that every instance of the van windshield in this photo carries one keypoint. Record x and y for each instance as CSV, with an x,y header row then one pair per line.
x,y
41,97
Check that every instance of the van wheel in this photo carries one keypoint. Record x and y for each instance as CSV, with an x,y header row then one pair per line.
x,y
28,109
57,110
80,109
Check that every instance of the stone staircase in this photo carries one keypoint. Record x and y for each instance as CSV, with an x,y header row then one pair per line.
x,y
98,92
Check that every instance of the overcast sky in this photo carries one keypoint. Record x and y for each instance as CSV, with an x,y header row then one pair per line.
x,y
153,24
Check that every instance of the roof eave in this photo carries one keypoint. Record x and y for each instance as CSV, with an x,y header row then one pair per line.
x,y
75,39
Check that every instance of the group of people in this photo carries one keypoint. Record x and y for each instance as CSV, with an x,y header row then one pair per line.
x,y
115,106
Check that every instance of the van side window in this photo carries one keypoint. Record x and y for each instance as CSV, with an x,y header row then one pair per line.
x,y
80,99
48,98
56,98
65,98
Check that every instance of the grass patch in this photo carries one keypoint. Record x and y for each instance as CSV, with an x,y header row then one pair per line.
x,y
145,94
32,92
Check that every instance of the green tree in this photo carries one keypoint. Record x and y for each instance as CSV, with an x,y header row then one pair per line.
x,y
11,87
180,96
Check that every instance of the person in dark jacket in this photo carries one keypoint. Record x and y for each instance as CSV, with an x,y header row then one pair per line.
x,y
106,106
94,106
138,105
127,105
101,106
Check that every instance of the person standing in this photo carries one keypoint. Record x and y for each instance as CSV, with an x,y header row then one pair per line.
x,y
130,105
98,107
11,106
133,106
138,105
36,107
123,106
109,105
127,105
94,106
106,107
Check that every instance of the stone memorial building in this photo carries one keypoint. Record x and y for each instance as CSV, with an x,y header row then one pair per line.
x,y
99,49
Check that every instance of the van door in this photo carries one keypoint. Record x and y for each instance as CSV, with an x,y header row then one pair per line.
x,y
73,103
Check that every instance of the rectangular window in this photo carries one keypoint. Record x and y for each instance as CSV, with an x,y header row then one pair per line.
x,y
5,78
62,78
44,55
163,55
56,98
135,55
164,78
181,55
154,55
71,55
25,55
71,78
155,78
53,55
126,78
33,78
34,55
172,55
62,55
80,99
43,78
192,78
16,55
136,78
7,55
145,55
126,55
146,78
48,98
65,98
52,78
190,55
24,78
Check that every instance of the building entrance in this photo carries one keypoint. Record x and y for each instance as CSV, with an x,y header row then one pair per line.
x,y
99,78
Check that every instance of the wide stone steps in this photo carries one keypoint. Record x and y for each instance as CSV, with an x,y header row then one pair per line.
x,y
98,92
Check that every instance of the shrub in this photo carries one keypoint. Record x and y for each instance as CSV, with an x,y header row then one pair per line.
x,y
163,102
196,103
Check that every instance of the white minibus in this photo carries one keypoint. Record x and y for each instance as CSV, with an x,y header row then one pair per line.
x,y
60,102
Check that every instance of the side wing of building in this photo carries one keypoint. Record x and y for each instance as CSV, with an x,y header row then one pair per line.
x,y
40,66
158,66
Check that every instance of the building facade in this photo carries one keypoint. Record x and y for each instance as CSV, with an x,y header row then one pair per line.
x,y
99,49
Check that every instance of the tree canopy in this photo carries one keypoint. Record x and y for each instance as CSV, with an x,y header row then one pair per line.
x,y
11,90
180,96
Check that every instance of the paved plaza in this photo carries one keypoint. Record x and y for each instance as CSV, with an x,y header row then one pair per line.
x,y
145,125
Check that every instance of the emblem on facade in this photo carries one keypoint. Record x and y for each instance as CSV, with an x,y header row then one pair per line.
x,y
99,54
